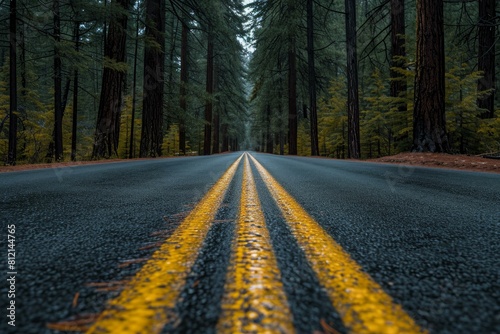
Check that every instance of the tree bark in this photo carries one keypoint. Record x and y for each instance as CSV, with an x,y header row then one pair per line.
x,y
486,55
216,115
183,88
131,152
12,154
64,102
398,51
22,59
354,145
281,124
312,79
429,122
113,79
58,140
292,98
75,96
209,89
154,65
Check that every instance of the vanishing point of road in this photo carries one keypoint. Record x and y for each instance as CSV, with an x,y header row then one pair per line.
x,y
251,243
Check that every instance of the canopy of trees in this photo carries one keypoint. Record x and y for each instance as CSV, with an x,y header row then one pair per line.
x,y
127,78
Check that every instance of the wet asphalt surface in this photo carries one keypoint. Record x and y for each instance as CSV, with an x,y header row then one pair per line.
x,y
429,237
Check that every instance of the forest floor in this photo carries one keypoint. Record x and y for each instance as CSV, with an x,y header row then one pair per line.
x,y
22,167
451,161
440,160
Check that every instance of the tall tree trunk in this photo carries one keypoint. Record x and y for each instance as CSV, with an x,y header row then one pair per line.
x,y
216,116
210,89
131,153
75,96
154,65
113,79
312,79
105,26
398,51
183,88
58,113
24,84
292,98
486,55
429,122
354,145
12,154
64,102
22,59
281,124
174,27
74,127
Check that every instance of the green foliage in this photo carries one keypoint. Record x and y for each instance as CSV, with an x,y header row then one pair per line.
x,y
332,122
303,138
125,130
115,65
4,112
489,132
35,122
171,142
385,129
277,23
465,127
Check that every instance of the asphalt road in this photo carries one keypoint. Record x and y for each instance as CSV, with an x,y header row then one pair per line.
x,y
429,237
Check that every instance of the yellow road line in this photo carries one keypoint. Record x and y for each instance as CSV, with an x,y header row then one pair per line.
x,y
146,305
254,300
362,304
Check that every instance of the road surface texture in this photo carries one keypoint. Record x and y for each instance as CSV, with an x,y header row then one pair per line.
x,y
250,243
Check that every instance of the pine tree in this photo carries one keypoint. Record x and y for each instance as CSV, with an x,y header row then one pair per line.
x,y
183,89
207,139
76,81
486,55
12,154
58,107
312,79
113,79
429,127
134,92
352,81
398,51
292,97
154,66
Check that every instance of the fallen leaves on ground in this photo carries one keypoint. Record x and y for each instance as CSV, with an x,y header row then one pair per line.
x,y
442,160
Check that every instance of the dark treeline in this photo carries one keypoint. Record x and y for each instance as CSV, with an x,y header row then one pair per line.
x,y
358,79
120,78
146,78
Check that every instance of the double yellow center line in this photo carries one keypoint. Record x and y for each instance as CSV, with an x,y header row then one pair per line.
x,y
254,299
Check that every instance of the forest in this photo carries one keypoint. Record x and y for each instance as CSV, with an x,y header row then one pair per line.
x,y
99,79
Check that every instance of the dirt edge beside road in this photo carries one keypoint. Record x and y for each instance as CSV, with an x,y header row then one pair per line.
x,y
23,167
441,160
